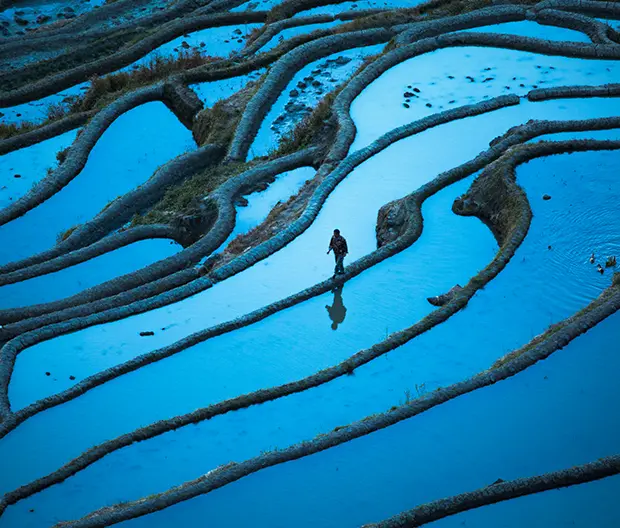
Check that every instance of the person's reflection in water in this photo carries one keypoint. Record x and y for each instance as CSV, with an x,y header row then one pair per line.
x,y
337,310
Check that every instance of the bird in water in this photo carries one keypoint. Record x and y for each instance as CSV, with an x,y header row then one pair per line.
x,y
600,269
592,258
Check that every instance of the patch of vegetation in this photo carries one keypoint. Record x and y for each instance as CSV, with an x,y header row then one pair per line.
x,y
217,125
255,33
61,155
55,112
315,128
318,127
104,90
8,130
386,19
185,198
66,234
280,216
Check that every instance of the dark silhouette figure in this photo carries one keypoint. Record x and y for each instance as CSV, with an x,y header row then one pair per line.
x,y
339,246
337,310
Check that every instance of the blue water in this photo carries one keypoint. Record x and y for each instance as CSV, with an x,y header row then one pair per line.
x,y
214,91
287,346
215,41
259,204
335,9
69,281
127,154
291,32
558,413
529,28
31,165
303,262
434,359
450,77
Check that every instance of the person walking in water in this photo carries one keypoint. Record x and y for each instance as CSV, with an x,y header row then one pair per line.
x,y
339,245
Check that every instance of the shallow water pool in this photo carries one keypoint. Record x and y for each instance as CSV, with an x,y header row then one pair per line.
x,y
259,204
553,415
529,28
23,168
38,111
434,359
125,156
302,262
74,279
291,32
215,41
214,91
451,77
309,85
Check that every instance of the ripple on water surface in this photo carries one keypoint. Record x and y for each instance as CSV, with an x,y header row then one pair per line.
x,y
584,212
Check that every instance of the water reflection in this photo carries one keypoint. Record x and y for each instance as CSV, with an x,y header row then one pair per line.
x,y
337,311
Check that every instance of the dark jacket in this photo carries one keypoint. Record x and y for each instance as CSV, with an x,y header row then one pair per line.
x,y
339,245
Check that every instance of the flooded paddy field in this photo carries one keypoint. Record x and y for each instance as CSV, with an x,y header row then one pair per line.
x,y
201,357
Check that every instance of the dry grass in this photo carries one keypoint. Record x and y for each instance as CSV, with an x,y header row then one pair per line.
x,y
387,19
218,124
185,198
103,89
66,234
55,112
280,216
8,130
317,127
61,155
254,34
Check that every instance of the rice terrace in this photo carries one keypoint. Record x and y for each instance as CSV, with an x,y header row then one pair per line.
x,y
309,263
